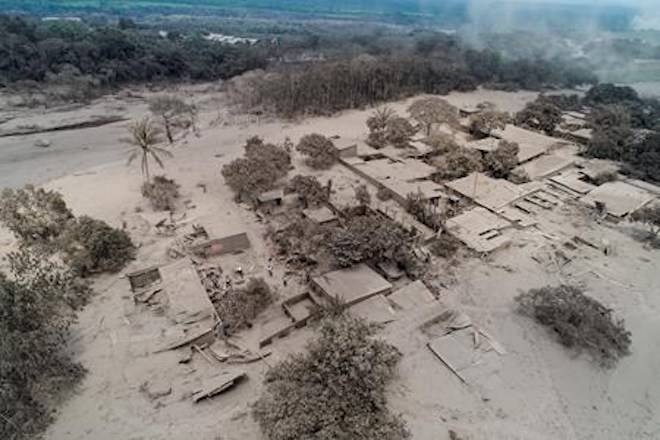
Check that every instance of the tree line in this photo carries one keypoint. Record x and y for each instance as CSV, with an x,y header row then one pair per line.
x,y
365,80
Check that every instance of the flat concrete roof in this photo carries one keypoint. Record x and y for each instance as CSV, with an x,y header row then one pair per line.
x,y
571,179
620,198
375,309
188,301
429,189
402,169
486,191
479,229
531,143
345,142
353,284
546,165
320,215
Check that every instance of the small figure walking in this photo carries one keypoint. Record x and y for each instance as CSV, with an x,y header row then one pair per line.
x,y
269,267
221,329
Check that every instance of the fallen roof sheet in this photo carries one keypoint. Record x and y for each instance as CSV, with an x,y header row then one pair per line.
x,y
353,284
486,191
375,309
188,302
415,294
480,230
620,198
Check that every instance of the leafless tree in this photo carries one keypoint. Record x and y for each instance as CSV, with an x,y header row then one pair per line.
x,y
172,111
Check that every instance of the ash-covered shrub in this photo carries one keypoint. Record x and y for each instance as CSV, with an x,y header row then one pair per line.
x,y
445,245
320,151
580,322
36,311
238,307
420,207
310,190
34,215
384,194
161,192
605,177
334,391
92,246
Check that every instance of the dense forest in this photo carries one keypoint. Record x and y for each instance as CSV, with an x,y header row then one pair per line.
x,y
113,54
348,66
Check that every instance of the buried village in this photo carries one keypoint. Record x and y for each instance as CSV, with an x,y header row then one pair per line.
x,y
452,267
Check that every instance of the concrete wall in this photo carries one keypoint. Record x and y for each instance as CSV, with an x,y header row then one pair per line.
x,y
220,246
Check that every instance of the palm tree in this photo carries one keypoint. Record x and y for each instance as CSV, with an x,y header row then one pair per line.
x,y
144,135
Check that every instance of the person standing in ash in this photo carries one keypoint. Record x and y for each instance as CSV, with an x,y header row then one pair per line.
x,y
269,266
221,329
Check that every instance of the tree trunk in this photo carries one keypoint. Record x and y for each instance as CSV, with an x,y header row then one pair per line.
x,y
168,130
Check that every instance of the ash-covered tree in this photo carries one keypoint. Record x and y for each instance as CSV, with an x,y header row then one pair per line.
x,y
501,161
144,135
336,390
377,124
399,132
320,151
441,143
310,190
239,307
488,120
612,132
37,305
172,112
432,111
34,215
259,170
372,238
458,163
540,115
643,158
608,93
